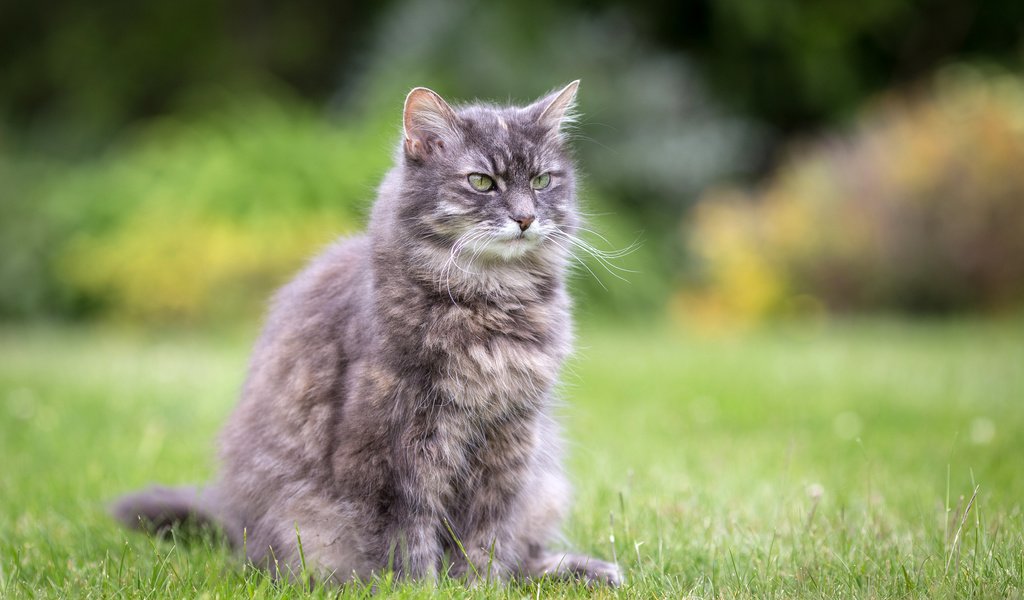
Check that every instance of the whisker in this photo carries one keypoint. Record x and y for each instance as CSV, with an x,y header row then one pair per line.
x,y
479,249
579,260
591,231
469,238
632,247
445,271
602,259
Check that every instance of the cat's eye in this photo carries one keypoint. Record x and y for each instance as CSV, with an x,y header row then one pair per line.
x,y
481,182
541,181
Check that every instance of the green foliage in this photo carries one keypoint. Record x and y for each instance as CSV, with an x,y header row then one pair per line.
x,y
28,232
801,63
919,207
97,65
790,462
192,219
73,74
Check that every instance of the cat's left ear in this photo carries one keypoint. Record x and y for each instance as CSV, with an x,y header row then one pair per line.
x,y
556,110
429,123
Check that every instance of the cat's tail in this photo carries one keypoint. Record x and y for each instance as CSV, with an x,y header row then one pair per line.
x,y
160,509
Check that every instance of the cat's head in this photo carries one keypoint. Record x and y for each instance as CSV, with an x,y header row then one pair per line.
x,y
495,182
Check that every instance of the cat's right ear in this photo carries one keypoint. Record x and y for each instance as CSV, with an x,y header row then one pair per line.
x,y
430,124
557,109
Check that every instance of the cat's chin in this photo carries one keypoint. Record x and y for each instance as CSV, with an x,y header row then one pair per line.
x,y
511,248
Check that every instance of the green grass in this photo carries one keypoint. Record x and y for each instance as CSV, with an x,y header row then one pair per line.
x,y
800,461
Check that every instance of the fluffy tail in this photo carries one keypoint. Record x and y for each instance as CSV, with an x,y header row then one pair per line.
x,y
159,509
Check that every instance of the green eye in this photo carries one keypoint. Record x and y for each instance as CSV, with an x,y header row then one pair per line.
x,y
541,181
480,182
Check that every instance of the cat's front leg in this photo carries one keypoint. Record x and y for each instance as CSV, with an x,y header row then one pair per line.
x,y
413,517
491,545
484,557
414,550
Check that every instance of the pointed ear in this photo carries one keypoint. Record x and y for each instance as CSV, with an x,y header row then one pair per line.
x,y
429,123
557,109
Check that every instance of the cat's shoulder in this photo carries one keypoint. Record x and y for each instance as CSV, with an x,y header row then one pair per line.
x,y
337,275
342,260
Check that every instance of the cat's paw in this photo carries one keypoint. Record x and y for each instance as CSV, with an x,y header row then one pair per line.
x,y
577,567
598,572
489,575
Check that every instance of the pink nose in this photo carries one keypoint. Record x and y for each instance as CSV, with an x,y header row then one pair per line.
x,y
524,222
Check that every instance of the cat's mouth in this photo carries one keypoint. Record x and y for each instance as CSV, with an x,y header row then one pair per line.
x,y
516,235
508,245
522,238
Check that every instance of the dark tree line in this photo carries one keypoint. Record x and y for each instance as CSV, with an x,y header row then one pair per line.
x,y
96,65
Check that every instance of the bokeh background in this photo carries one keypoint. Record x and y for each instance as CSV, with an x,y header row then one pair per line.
x,y
808,382
174,161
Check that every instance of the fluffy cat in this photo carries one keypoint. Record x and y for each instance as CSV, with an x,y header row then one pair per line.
x,y
397,411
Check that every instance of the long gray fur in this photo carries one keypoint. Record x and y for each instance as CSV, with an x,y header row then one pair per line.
x,y
400,395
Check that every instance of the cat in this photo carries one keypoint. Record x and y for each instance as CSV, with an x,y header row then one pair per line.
x,y
398,408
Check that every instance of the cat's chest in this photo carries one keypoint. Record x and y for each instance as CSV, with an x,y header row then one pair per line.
x,y
499,371
486,361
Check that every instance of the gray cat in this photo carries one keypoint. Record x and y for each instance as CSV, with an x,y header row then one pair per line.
x,y
397,412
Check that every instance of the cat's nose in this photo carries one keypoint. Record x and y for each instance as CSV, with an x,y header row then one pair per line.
x,y
524,222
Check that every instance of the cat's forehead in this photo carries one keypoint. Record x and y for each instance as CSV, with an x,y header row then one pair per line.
x,y
508,137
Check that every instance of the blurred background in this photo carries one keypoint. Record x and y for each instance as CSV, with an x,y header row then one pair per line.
x,y
810,367
171,162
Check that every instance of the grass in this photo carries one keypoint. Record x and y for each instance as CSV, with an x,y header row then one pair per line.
x,y
800,461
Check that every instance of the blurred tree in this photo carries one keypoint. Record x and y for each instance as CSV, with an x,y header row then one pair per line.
x,y
677,96
798,63
91,66
74,71
916,207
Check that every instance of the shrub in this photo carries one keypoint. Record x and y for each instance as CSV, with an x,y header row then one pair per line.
x,y
197,219
919,208
29,232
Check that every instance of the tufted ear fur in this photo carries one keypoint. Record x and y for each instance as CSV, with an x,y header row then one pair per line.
x,y
556,110
429,123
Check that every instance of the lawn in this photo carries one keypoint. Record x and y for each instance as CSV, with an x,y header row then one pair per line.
x,y
835,460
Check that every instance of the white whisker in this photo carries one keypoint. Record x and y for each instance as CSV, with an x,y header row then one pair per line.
x,y
603,258
579,260
468,238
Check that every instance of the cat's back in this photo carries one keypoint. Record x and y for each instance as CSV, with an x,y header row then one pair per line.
x,y
322,306
316,325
